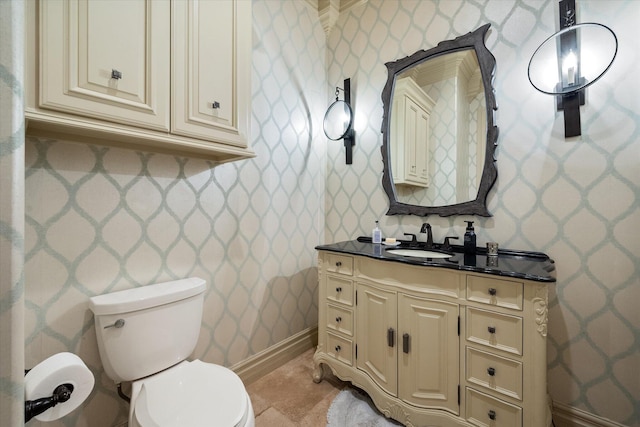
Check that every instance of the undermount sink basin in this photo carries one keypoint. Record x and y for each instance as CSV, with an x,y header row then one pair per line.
x,y
419,253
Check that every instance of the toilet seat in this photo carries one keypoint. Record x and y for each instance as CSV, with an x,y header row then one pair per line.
x,y
194,394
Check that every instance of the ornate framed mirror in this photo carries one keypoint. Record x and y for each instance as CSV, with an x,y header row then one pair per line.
x,y
439,132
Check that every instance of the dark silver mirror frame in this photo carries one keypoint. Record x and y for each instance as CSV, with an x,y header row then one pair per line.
x,y
486,60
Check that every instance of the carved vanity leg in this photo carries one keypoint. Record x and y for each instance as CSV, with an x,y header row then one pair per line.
x,y
318,372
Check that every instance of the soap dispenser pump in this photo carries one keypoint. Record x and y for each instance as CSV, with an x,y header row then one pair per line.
x,y
469,239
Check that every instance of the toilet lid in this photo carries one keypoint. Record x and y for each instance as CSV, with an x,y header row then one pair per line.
x,y
194,394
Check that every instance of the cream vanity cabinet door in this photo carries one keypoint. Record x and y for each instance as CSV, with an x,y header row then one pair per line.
x,y
106,60
376,320
410,134
211,48
428,346
409,346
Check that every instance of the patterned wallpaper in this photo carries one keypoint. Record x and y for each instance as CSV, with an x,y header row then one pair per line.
x,y
11,213
576,199
102,219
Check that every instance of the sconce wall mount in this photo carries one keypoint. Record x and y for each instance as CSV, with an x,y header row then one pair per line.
x,y
569,61
338,121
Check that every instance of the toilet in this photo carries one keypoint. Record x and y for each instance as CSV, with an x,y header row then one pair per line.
x,y
144,336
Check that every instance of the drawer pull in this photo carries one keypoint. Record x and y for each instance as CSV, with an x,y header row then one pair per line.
x,y
338,319
491,329
338,348
493,291
339,264
491,372
492,414
391,337
338,289
405,343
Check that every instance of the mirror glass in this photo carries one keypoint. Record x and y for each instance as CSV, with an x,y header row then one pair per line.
x,y
438,129
337,120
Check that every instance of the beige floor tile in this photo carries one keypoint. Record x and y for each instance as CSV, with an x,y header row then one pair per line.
x,y
272,418
288,395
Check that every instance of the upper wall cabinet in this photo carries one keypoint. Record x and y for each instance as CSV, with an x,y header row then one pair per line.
x,y
410,129
157,75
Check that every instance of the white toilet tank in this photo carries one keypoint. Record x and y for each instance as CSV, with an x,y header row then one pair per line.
x,y
142,331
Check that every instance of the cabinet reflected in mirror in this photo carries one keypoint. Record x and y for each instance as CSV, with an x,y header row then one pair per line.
x,y
437,129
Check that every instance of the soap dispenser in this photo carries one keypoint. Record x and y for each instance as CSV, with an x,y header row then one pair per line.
x,y
469,239
376,234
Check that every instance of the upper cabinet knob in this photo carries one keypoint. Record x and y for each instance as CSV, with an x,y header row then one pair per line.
x,y
115,74
215,105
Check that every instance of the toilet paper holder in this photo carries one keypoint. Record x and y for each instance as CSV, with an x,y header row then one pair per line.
x,y
33,408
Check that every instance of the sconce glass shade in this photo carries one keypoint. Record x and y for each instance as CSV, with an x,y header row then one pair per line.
x,y
338,121
551,74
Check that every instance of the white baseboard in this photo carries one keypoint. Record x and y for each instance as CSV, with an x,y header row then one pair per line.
x,y
568,416
275,356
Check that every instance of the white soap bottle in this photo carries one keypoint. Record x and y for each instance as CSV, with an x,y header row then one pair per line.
x,y
376,234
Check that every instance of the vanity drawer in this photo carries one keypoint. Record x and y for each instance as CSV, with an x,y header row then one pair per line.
x,y
494,373
501,293
339,290
486,411
499,331
340,319
340,348
341,264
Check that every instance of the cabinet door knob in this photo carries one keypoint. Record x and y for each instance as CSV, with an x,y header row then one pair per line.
x,y
492,414
115,74
391,334
338,348
491,329
338,319
215,105
339,264
493,291
338,289
491,372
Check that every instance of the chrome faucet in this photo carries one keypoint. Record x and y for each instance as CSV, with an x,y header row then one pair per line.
x,y
426,228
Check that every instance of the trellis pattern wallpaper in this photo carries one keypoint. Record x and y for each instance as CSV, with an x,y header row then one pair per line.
x,y
576,199
103,219
11,212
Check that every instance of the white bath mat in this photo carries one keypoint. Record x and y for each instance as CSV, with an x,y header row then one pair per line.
x,y
354,409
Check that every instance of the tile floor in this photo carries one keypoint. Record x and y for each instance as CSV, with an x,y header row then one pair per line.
x,y
288,397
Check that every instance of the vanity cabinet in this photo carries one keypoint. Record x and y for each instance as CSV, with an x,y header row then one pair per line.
x,y
435,346
410,134
408,346
162,75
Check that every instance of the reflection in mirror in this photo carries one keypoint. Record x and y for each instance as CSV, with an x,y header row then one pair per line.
x,y
447,92
438,129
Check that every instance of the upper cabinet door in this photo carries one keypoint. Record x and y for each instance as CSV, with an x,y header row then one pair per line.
x,y
105,60
211,87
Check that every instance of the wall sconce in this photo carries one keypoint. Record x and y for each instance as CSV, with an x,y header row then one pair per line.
x,y
570,60
338,121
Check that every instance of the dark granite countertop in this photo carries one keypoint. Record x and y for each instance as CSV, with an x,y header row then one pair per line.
x,y
519,264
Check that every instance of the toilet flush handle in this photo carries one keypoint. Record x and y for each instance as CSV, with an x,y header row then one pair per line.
x,y
118,324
